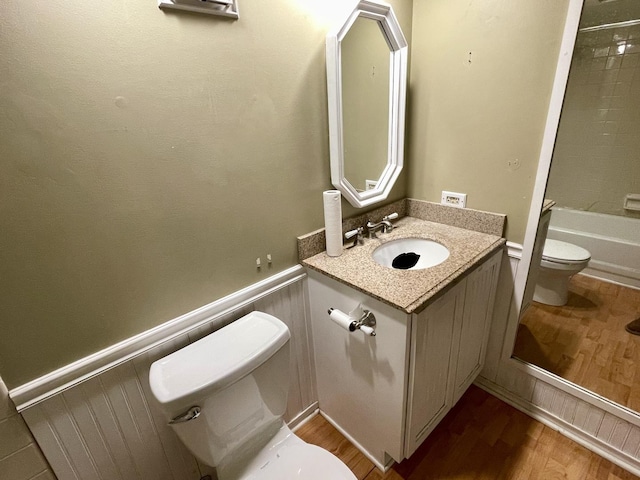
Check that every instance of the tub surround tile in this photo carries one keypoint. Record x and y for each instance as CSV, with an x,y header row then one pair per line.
x,y
46,475
14,435
23,464
408,290
20,457
7,408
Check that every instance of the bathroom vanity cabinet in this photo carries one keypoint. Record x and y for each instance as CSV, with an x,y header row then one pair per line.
x,y
387,392
448,345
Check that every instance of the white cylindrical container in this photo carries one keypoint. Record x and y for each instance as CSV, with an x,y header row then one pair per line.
x,y
333,222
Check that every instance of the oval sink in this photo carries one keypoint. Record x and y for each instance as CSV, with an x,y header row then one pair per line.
x,y
410,254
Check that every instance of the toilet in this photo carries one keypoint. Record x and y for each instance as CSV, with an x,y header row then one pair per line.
x,y
560,260
225,396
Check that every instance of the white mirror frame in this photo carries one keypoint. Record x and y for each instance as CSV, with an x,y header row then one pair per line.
x,y
383,14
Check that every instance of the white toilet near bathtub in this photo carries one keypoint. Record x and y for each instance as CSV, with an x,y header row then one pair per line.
x,y
560,261
225,395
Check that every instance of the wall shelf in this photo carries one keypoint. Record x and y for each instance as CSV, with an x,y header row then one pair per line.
x,y
225,8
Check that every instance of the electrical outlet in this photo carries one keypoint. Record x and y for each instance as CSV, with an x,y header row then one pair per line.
x,y
454,199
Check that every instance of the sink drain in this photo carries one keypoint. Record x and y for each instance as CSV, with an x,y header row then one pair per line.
x,y
405,261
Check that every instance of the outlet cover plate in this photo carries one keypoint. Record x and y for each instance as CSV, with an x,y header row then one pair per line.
x,y
453,199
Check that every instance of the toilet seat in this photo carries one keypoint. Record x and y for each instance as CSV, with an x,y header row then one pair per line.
x,y
287,457
560,261
556,251
302,461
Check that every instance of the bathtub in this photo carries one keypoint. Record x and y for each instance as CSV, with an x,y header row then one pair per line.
x,y
614,242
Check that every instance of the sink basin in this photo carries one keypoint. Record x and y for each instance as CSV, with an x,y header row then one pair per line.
x,y
410,254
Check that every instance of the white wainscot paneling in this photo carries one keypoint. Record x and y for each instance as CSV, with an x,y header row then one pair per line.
x,y
108,427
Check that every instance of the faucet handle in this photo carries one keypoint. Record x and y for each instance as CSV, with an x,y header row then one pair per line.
x,y
387,226
356,232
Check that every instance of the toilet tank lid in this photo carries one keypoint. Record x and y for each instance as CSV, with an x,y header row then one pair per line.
x,y
564,252
217,360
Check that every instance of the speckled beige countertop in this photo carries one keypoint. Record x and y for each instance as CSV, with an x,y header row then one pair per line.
x,y
408,290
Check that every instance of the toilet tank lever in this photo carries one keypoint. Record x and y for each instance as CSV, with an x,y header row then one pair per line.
x,y
193,412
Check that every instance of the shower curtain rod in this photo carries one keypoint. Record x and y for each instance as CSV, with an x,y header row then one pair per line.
x,y
627,23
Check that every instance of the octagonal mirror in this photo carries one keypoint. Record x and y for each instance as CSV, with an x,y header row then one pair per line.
x,y
366,85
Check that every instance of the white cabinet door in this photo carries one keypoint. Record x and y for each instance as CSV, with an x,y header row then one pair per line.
x,y
362,380
432,334
472,332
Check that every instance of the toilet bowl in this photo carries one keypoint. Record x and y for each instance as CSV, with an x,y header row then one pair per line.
x,y
225,395
560,260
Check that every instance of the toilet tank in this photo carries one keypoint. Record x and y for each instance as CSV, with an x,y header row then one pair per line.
x,y
238,376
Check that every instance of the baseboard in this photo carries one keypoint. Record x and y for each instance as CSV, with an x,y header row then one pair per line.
x,y
355,443
304,416
582,438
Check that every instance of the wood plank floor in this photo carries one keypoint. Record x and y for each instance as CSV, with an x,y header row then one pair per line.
x,y
585,341
481,438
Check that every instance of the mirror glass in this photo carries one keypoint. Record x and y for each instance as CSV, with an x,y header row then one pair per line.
x,y
366,89
365,103
595,182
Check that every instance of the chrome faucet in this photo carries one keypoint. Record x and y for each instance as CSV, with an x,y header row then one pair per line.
x,y
385,225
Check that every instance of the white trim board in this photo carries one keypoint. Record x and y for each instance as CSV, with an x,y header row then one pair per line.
x,y
514,250
355,443
66,377
576,391
304,417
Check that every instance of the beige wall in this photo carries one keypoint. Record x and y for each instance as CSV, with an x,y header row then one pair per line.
x,y
481,77
146,160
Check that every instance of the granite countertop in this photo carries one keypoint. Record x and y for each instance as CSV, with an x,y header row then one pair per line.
x,y
408,290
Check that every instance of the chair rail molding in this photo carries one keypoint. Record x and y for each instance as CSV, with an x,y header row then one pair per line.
x,y
93,365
